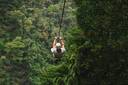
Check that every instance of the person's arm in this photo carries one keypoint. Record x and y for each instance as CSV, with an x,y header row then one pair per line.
x,y
54,43
62,43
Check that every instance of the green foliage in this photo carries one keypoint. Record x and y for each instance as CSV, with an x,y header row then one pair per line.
x,y
1,45
26,30
16,43
16,14
104,26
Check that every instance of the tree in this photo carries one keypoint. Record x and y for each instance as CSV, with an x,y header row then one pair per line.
x,y
102,57
26,31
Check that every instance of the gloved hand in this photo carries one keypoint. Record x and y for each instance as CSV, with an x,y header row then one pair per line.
x,y
55,37
60,38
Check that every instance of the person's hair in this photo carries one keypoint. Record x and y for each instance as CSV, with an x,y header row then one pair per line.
x,y
58,50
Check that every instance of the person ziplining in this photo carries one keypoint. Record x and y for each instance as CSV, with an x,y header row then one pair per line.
x,y
58,48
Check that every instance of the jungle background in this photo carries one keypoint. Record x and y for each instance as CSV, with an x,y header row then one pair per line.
x,y
95,34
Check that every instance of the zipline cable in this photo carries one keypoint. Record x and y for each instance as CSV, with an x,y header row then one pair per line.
x,y
61,19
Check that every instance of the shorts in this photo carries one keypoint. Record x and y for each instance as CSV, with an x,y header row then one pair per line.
x,y
53,50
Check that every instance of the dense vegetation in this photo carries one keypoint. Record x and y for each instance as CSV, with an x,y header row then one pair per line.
x,y
96,47
103,56
27,29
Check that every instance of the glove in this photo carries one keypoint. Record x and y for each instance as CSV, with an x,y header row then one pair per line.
x,y
60,38
55,37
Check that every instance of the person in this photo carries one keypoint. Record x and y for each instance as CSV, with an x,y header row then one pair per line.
x,y
58,48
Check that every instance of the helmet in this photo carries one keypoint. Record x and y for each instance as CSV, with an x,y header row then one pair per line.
x,y
58,45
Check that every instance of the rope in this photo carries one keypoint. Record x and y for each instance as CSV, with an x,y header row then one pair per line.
x,y
61,19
